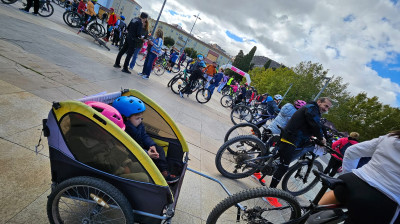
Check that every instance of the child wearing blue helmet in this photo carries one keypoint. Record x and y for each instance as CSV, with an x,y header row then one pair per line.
x,y
132,108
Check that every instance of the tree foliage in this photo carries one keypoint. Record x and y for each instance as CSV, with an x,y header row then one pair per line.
x,y
242,62
191,52
359,113
267,64
169,41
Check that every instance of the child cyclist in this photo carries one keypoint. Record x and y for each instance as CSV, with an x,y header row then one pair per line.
x,y
132,109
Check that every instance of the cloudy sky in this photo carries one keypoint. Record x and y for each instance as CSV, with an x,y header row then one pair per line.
x,y
355,39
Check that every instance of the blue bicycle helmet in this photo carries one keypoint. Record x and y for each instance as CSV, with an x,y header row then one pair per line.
x,y
129,105
269,99
123,17
200,57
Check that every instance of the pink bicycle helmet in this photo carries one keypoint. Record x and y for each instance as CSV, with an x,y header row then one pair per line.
x,y
299,104
109,112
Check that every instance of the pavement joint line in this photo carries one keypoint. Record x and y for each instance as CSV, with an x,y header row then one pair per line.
x,y
22,210
15,143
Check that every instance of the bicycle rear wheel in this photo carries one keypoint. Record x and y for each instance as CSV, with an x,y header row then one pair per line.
x,y
177,85
226,100
298,181
173,79
234,157
241,114
176,69
46,9
95,29
203,95
158,69
242,129
256,208
73,19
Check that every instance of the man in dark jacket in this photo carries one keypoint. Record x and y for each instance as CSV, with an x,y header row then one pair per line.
x,y
132,41
304,123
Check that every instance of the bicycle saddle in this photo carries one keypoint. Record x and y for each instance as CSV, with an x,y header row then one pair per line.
x,y
328,181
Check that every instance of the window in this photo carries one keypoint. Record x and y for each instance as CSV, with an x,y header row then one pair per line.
x,y
92,145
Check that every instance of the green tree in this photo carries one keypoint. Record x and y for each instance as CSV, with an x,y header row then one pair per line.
x,y
267,64
236,63
245,64
191,52
169,41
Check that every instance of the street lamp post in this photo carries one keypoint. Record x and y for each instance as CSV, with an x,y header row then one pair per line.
x,y
158,18
328,79
183,48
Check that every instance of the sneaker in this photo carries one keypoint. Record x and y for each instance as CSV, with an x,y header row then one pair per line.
x,y
145,77
23,10
125,70
141,74
180,94
170,178
35,14
273,201
257,176
117,66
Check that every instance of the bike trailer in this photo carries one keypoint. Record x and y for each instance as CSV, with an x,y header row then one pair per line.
x,y
89,155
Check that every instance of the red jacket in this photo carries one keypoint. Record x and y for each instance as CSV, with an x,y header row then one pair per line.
x,y
337,145
112,20
81,7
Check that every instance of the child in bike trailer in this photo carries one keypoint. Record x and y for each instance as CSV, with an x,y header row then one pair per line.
x,y
132,109
195,74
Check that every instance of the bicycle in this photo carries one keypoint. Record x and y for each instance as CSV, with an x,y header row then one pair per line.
x,y
160,66
203,95
74,19
45,7
243,156
181,74
248,206
141,58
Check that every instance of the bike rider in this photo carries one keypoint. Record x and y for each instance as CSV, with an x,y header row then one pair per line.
x,y
90,14
272,104
304,123
195,74
119,29
370,193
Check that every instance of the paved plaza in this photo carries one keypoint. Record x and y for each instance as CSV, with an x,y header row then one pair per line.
x,y
43,60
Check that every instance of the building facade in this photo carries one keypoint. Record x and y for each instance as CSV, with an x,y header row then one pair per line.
x,y
211,52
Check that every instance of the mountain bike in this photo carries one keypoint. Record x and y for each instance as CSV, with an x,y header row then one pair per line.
x,y
249,206
203,95
45,7
74,19
243,156
183,74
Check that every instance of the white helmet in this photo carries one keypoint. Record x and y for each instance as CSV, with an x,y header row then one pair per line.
x,y
278,97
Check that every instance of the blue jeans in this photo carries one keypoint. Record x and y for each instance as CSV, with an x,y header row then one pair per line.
x,y
221,86
148,66
211,88
134,57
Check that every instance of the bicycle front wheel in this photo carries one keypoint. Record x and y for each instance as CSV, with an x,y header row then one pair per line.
x,y
256,208
235,158
226,101
242,129
46,9
173,79
158,69
9,1
203,95
88,200
300,179
177,85
95,29
176,69
241,114
140,59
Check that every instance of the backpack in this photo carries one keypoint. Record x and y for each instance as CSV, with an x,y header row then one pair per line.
x,y
343,149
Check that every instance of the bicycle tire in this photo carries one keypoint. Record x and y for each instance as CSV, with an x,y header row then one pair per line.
x,y
233,155
251,126
226,101
177,85
240,114
255,207
47,6
173,78
203,95
8,2
140,60
159,69
297,168
94,29
73,19
82,192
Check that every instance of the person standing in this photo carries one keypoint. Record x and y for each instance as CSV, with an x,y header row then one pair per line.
x,y
110,23
223,83
182,58
132,39
214,82
119,30
29,4
155,51
139,49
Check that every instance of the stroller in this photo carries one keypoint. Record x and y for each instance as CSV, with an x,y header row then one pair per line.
x,y
88,153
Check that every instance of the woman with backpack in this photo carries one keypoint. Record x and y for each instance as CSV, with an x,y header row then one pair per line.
x,y
340,146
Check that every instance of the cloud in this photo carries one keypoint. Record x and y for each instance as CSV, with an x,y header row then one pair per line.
x,y
344,36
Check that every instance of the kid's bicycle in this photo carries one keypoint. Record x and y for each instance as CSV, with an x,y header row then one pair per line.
x,y
45,7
